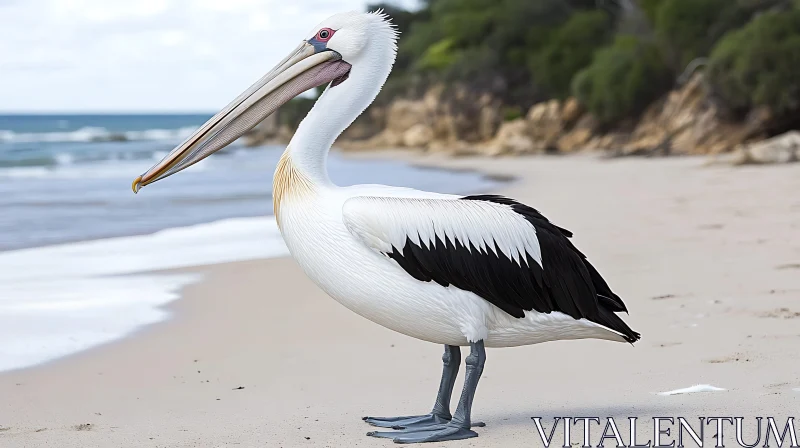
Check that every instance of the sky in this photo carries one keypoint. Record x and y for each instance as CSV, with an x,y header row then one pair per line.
x,y
146,55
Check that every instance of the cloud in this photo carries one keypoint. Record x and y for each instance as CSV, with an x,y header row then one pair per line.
x,y
145,55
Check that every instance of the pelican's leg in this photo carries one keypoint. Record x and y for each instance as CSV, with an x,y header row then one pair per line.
x,y
459,426
441,409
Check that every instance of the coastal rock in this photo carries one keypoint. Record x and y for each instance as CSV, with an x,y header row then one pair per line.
x,y
513,138
549,111
402,115
455,120
442,120
268,131
574,140
612,141
392,138
686,121
545,124
419,136
462,117
581,133
490,117
366,126
784,148
394,121
403,123
571,112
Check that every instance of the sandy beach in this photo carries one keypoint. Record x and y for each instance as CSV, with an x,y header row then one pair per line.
x,y
706,258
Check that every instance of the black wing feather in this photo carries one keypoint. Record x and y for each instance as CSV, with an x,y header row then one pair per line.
x,y
568,283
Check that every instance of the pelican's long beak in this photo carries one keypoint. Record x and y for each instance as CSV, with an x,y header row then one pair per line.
x,y
303,69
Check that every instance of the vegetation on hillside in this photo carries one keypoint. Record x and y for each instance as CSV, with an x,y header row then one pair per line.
x,y
759,65
622,79
615,56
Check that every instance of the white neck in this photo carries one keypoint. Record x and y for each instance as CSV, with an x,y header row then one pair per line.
x,y
336,109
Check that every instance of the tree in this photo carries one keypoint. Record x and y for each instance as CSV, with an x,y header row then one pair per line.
x,y
570,49
759,65
622,80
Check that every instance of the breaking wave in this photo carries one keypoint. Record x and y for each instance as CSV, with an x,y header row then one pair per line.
x,y
96,134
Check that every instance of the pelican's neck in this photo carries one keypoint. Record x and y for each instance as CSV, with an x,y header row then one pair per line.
x,y
335,110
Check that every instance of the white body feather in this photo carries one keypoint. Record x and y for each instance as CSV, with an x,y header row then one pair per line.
x,y
377,288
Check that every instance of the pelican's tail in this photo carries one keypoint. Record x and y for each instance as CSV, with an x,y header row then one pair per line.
x,y
610,320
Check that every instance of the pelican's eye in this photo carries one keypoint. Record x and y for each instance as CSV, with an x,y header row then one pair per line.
x,y
324,34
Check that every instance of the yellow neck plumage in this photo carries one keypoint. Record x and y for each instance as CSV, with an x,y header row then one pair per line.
x,y
289,183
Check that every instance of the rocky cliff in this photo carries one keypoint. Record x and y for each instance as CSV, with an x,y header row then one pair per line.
x,y
685,121
436,122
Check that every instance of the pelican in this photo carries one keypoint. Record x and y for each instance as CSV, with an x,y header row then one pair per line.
x,y
478,271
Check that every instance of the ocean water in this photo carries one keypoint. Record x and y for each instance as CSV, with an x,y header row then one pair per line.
x,y
78,248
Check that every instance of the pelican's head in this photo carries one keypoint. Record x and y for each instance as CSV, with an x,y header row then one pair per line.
x,y
327,55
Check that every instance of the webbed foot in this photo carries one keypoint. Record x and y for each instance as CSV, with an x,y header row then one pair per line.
x,y
433,434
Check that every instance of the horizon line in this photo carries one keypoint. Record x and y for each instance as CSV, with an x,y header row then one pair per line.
x,y
105,112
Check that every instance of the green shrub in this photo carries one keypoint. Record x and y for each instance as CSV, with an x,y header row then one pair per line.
x,y
622,80
759,65
483,45
691,28
512,113
685,26
570,49
438,56
650,8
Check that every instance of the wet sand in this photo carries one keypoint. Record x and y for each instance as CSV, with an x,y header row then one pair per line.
x,y
707,260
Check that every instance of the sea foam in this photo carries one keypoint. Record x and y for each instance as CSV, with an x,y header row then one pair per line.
x,y
96,134
58,300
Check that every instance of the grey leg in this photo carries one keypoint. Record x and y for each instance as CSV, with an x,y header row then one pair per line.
x,y
440,414
459,427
